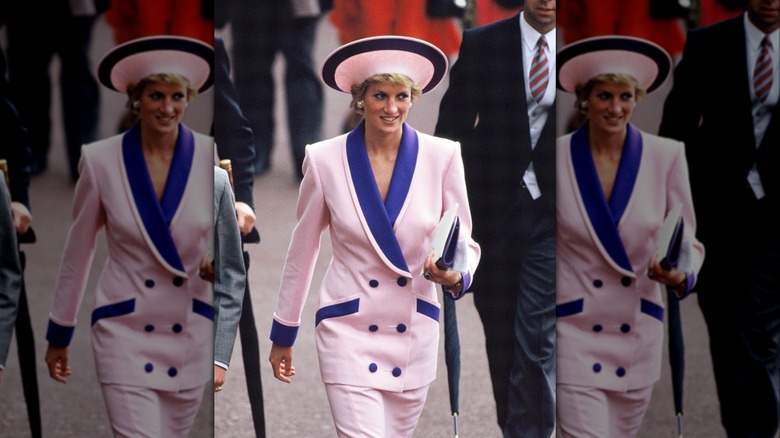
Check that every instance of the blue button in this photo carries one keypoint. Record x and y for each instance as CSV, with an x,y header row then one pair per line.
x,y
172,371
598,283
625,328
373,327
148,368
597,328
176,328
625,281
401,281
149,283
178,281
596,367
620,372
373,283
401,328
396,372
372,367
149,327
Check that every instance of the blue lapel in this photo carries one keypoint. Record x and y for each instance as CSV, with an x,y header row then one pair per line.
x,y
157,216
381,217
603,216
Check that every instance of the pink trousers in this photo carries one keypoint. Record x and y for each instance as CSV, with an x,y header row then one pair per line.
x,y
585,412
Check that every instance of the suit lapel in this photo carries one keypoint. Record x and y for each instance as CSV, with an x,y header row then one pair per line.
x,y
379,218
604,217
155,217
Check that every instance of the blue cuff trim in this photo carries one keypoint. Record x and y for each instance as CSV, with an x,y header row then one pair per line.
x,y
336,310
282,334
428,309
59,335
652,309
112,310
570,308
203,309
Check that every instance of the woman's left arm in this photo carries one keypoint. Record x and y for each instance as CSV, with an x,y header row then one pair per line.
x,y
454,191
681,280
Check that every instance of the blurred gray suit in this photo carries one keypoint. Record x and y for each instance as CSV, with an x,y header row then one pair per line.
x,y
10,272
229,271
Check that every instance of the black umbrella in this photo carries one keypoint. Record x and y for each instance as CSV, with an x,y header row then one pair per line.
x,y
676,356
452,355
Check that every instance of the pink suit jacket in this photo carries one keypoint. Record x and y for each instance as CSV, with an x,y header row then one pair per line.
x,y
377,323
152,320
610,314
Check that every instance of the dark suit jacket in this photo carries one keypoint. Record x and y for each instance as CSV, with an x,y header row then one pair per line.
x,y
487,88
709,109
10,272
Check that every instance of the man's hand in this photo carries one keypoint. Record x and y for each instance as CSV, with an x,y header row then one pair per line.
x,y
246,217
220,375
22,217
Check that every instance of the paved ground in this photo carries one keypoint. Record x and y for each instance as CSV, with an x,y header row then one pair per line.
x,y
299,409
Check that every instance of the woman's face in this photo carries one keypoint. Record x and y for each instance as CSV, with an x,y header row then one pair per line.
x,y
610,106
161,107
386,105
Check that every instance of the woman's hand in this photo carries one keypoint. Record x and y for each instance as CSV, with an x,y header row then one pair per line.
x,y
448,279
281,362
672,277
207,267
57,360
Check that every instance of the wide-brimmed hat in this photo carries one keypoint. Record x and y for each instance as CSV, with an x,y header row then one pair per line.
x,y
353,63
128,63
643,60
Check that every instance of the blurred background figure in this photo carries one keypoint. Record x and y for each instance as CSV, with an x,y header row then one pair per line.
x,y
30,51
15,150
260,31
131,19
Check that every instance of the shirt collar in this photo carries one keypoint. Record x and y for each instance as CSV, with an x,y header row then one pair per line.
x,y
754,35
531,36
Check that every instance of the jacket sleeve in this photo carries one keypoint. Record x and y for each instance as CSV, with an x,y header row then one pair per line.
x,y
10,273
313,218
455,191
88,219
229,270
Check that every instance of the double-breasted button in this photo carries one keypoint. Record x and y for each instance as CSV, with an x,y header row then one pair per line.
x,y
620,372
625,281
149,283
148,368
178,281
373,328
401,281
597,328
149,328
596,367
625,327
396,372
172,371
177,328
598,283
373,283
372,367
401,328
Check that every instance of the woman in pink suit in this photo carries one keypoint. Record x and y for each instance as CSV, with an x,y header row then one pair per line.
x,y
151,190
615,187
380,191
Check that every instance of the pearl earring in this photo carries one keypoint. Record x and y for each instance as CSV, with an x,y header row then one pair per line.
x,y
135,104
360,104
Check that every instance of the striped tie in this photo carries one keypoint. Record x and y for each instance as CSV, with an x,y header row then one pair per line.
x,y
762,75
539,76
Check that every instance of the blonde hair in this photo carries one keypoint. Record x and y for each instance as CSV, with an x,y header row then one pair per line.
x,y
359,90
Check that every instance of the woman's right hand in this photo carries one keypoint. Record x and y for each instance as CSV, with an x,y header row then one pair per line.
x,y
57,360
281,361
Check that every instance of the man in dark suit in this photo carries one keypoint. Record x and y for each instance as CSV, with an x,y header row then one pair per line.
x,y
731,132
508,146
